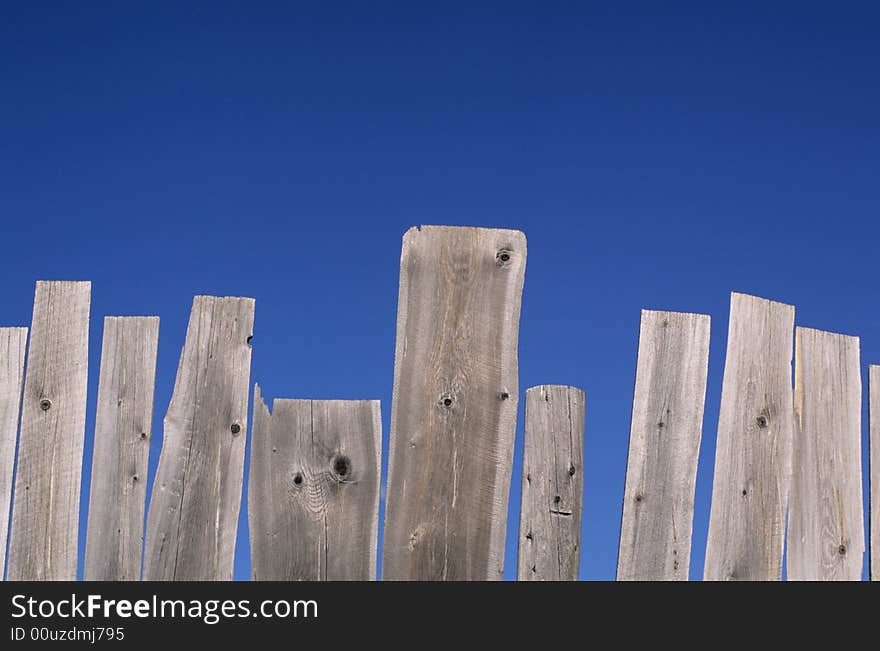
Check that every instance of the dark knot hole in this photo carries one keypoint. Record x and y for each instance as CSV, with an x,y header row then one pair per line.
x,y
342,466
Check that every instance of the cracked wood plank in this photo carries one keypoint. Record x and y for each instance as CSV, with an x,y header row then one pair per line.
x,y
552,485
313,489
874,441
123,425
753,450
664,447
194,507
45,510
826,534
453,412
12,348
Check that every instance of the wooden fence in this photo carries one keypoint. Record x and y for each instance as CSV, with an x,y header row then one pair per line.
x,y
788,450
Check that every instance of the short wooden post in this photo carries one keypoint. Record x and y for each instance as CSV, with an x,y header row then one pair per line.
x,y
753,450
553,484
874,500
453,412
45,510
664,447
193,515
313,491
12,347
123,427
826,533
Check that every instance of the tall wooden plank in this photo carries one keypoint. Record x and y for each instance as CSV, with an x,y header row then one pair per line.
x,y
753,450
874,500
453,412
552,484
45,509
12,347
194,506
313,490
664,447
123,426
826,533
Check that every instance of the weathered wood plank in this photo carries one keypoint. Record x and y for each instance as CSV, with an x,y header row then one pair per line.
x,y
826,533
552,485
753,450
12,347
45,510
123,426
313,490
453,413
664,447
194,507
874,389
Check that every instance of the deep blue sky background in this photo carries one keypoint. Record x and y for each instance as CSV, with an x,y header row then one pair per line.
x,y
655,155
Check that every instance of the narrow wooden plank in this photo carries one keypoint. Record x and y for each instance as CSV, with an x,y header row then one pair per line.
x,y
313,490
552,485
12,347
45,509
123,426
874,389
826,531
194,506
664,447
453,412
753,450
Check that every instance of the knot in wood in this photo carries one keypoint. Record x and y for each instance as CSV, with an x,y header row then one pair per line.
x,y
502,257
45,404
342,467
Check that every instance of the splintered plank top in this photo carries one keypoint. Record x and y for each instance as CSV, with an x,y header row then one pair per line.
x,y
45,510
664,446
753,450
453,413
194,507
313,491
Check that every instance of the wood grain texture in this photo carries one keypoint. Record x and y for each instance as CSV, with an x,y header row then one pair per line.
x,y
12,348
874,500
753,450
313,490
453,412
664,447
826,533
552,484
194,507
123,427
45,510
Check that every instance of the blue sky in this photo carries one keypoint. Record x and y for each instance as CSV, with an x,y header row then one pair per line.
x,y
656,156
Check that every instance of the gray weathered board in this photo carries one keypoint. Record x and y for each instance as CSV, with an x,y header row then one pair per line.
x,y
194,507
753,449
874,389
826,533
45,510
453,412
123,426
313,489
664,447
12,347
552,485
